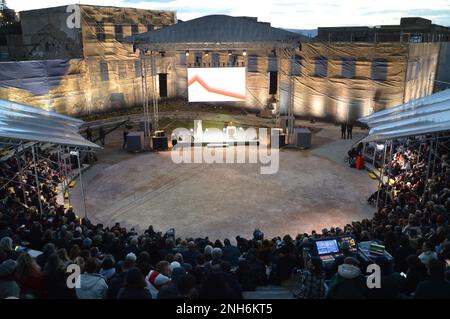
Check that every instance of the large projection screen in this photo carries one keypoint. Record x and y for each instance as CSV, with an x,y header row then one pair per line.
x,y
216,84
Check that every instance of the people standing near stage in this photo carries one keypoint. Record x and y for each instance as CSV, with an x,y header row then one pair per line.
x,y
343,130
350,130
125,134
89,133
102,135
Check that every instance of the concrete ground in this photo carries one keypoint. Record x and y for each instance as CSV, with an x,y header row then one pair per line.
x,y
312,189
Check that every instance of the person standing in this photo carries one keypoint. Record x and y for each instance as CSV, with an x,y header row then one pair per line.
x,y
343,130
125,134
349,130
312,282
102,135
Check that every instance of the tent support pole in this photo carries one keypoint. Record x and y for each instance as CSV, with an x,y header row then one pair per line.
x,y
428,167
381,175
36,178
81,185
19,164
67,173
389,171
435,155
154,93
291,118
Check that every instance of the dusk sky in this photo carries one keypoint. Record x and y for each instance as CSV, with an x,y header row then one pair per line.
x,y
298,14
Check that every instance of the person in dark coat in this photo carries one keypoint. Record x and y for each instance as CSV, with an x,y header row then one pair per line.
x,y
343,130
117,281
230,253
216,286
171,291
416,273
102,135
348,283
135,286
402,254
125,134
391,282
54,282
349,130
190,255
247,278
436,287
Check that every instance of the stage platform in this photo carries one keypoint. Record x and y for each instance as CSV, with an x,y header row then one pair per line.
x,y
219,144
313,189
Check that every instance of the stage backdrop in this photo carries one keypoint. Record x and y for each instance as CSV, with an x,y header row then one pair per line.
x,y
216,84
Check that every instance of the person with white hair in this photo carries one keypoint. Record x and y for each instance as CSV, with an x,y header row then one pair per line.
x,y
8,286
6,246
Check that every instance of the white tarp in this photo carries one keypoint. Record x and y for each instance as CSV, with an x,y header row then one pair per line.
x,y
425,115
27,123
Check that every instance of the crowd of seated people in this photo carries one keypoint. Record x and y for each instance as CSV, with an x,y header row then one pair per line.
x,y
120,263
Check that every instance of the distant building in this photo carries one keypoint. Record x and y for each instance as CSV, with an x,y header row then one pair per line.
x,y
77,68
51,33
411,29
93,68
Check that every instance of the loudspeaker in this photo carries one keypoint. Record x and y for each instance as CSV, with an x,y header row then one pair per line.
x,y
159,143
302,137
135,142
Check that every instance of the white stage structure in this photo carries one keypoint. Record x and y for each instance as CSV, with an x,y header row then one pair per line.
x,y
213,137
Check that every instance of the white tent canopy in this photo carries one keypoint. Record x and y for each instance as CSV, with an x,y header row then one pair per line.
x,y
426,115
20,122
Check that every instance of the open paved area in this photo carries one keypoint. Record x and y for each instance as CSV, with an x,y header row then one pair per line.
x,y
311,190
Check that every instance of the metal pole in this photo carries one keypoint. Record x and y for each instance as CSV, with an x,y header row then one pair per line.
x,y
435,155
389,171
381,173
155,97
66,180
428,168
374,155
291,119
61,171
81,184
144,90
37,178
19,164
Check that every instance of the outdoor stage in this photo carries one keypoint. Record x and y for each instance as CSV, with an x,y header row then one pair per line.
x,y
310,191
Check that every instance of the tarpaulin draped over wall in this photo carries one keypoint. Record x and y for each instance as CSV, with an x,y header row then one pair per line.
x,y
335,81
345,81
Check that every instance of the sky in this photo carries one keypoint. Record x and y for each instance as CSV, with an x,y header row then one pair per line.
x,y
293,14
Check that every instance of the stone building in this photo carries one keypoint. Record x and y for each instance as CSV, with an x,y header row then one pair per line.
x,y
74,60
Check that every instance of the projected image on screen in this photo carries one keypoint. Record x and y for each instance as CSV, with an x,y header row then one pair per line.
x,y
216,84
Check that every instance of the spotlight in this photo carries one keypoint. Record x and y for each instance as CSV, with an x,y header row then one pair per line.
x,y
206,53
230,52
244,53
192,130
187,52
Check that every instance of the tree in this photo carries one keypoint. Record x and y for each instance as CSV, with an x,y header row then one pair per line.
x,y
7,16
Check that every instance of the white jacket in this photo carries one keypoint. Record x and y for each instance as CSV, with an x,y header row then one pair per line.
x,y
92,286
155,281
